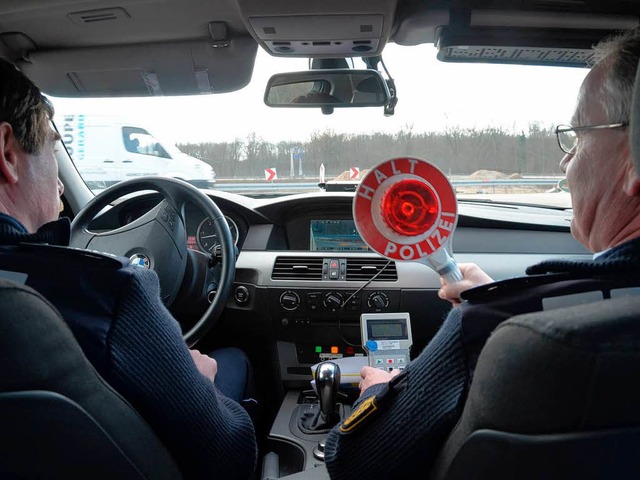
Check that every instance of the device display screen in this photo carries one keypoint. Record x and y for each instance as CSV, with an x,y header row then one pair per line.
x,y
387,329
335,235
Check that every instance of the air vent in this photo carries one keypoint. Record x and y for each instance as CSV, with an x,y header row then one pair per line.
x,y
359,269
297,268
99,15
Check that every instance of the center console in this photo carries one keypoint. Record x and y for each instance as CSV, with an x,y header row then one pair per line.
x,y
297,437
311,326
298,434
315,296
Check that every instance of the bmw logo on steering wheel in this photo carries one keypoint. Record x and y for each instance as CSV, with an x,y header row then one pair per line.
x,y
140,260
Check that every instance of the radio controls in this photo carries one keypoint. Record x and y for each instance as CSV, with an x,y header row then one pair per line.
x,y
332,300
378,301
289,300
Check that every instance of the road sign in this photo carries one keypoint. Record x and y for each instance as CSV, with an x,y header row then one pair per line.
x,y
353,173
296,152
270,174
406,209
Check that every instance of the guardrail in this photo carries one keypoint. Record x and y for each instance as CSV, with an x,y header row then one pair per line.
x,y
281,187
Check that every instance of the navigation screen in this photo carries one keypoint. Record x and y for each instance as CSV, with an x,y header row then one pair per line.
x,y
336,235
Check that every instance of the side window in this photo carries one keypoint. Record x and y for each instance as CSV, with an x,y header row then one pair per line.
x,y
138,140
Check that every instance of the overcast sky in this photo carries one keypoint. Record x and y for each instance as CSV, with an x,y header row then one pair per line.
x,y
433,96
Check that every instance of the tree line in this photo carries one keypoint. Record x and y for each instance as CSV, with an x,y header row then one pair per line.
x,y
456,151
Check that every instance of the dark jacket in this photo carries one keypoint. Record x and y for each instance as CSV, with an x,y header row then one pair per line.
x,y
115,312
416,412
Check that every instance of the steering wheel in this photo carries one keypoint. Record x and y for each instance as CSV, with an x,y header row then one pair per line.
x,y
158,240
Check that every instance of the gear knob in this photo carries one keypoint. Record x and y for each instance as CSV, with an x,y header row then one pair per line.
x,y
327,383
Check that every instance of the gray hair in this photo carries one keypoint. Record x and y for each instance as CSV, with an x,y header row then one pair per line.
x,y
620,54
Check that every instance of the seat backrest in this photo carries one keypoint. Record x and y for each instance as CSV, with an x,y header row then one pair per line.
x,y
565,371
602,454
58,417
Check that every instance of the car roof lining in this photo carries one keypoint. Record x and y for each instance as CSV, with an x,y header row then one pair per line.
x,y
84,48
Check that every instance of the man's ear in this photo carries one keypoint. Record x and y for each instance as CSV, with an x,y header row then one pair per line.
x,y
9,149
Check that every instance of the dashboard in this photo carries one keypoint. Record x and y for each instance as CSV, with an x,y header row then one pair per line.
x,y
304,276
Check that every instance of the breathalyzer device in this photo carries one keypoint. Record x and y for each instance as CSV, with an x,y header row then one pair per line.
x,y
386,337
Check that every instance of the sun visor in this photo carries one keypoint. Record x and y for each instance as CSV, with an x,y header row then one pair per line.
x,y
181,68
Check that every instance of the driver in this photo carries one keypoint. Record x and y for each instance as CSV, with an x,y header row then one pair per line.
x,y
113,308
401,420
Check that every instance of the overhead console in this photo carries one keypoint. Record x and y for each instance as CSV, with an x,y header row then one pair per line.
x,y
328,29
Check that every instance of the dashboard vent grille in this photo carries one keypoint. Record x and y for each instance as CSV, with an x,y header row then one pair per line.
x,y
297,268
359,269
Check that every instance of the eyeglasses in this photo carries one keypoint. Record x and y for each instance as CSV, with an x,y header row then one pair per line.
x,y
567,138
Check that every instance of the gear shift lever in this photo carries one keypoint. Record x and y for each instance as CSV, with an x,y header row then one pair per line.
x,y
328,383
320,418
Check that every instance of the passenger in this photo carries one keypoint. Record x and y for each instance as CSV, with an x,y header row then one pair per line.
x,y
114,309
132,144
417,409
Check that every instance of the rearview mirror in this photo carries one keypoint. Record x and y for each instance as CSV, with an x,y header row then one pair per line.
x,y
337,88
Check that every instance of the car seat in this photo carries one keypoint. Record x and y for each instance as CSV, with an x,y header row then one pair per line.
x,y
58,417
554,396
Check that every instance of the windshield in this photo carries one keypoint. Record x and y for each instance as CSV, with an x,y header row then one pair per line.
x,y
489,128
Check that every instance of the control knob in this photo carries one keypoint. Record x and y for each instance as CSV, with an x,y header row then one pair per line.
x,y
332,300
289,300
378,301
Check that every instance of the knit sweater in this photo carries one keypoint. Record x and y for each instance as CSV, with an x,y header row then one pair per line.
x,y
403,440
148,363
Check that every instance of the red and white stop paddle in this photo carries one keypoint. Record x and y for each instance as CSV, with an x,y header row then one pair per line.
x,y
406,209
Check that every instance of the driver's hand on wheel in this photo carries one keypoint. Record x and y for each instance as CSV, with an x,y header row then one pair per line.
x,y
206,365
473,276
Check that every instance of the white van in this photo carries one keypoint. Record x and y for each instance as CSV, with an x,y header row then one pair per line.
x,y
106,150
